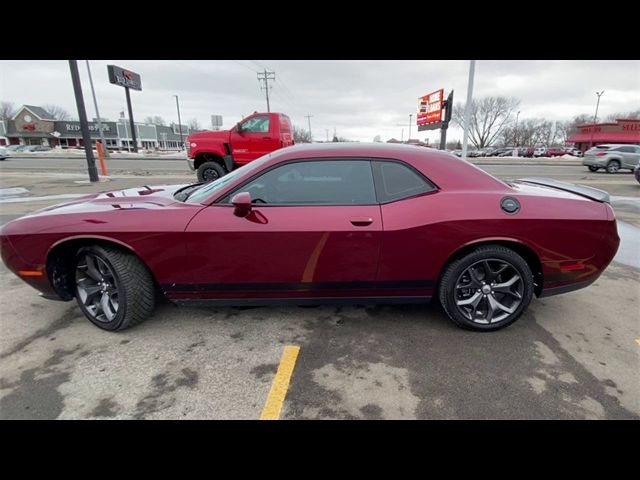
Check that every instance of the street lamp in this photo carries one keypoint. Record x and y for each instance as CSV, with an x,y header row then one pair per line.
x,y
410,117
595,117
179,123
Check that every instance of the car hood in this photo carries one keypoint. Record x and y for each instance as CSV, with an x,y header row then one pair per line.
x,y
209,135
147,197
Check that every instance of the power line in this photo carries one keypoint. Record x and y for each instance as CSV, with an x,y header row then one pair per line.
x,y
265,77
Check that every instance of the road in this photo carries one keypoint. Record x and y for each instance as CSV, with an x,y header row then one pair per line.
x,y
573,356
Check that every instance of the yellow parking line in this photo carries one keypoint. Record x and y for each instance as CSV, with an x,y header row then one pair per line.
x,y
280,385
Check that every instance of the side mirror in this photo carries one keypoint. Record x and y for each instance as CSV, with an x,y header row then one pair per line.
x,y
242,204
238,127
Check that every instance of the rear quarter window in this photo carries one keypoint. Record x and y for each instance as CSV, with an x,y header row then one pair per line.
x,y
396,180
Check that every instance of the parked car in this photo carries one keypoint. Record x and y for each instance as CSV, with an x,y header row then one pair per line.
x,y
555,152
213,154
540,152
16,148
4,153
317,224
576,152
636,172
40,148
526,152
612,157
457,153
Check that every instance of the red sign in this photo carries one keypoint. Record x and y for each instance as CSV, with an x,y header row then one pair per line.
x,y
430,108
631,126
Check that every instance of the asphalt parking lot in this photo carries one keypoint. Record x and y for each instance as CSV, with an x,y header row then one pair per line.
x,y
574,356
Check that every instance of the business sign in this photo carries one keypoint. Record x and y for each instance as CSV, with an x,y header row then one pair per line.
x,y
430,108
216,121
124,78
71,127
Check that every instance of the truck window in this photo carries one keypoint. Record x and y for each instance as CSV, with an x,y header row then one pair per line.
x,y
258,124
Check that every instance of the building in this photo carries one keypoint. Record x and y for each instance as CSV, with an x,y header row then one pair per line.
x,y
623,130
33,125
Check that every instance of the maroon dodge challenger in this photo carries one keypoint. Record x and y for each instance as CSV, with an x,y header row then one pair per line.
x,y
312,224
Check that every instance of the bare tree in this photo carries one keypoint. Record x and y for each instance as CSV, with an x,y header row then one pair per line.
x,y
194,124
489,116
148,120
7,110
158,120
377,139
57,112
300,135
614,116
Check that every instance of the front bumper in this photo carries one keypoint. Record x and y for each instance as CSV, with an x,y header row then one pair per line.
x,y
191,162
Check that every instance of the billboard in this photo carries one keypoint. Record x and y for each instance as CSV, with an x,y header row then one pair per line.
x,y
124,78
216,121
430,108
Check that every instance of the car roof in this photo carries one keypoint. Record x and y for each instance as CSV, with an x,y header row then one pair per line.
x,y
442,168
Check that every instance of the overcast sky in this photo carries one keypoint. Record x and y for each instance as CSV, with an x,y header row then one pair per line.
x,y
360,99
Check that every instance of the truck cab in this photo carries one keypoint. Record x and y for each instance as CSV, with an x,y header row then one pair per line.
x,y
213,154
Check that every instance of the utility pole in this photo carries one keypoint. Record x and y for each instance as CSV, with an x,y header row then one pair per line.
x,y
95,104
84,126
595,117
265,77
179,123
309,120
467,109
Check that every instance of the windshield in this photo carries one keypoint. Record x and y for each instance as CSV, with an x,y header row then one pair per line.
x,y
210,188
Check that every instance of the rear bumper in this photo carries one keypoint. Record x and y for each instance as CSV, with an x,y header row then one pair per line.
x,y
548,292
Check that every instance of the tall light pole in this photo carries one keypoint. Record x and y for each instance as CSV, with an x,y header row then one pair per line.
x,y
410,117
179,122
467,109
309,120
95,104
515,131
595,117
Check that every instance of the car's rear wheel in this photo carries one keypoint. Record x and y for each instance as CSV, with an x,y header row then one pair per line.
x,y
613,166
114,289
486,289
593,168
210,171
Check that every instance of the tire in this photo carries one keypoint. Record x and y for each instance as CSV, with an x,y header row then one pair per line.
x,y
454,275
593,168
210,171
130,294
613,166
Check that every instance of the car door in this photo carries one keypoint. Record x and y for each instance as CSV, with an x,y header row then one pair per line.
x,y
253,140
629,156
314,231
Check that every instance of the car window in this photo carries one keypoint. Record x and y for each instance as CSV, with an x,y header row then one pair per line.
x,y
258,124
395,181
323,182
625,149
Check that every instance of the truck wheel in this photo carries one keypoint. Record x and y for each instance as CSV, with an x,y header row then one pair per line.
x,y
210,171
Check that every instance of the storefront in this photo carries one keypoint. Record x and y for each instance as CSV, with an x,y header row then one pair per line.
x,y
624,130
32,125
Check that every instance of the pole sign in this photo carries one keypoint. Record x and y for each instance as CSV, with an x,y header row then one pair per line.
x,y
124,78
430,109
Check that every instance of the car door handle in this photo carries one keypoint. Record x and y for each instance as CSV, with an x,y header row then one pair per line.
x,y
361,221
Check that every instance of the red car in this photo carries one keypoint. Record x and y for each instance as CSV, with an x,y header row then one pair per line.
x,y
310,224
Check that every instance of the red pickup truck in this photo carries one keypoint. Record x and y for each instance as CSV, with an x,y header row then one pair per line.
x,y
213,154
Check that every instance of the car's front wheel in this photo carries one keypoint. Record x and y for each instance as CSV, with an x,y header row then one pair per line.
x,y
487,289
114,288
593,168
210,171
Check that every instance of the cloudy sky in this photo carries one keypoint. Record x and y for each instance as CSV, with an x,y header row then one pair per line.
x,y
360,99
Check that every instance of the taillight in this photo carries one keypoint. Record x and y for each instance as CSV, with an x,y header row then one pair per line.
x,y
601,154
